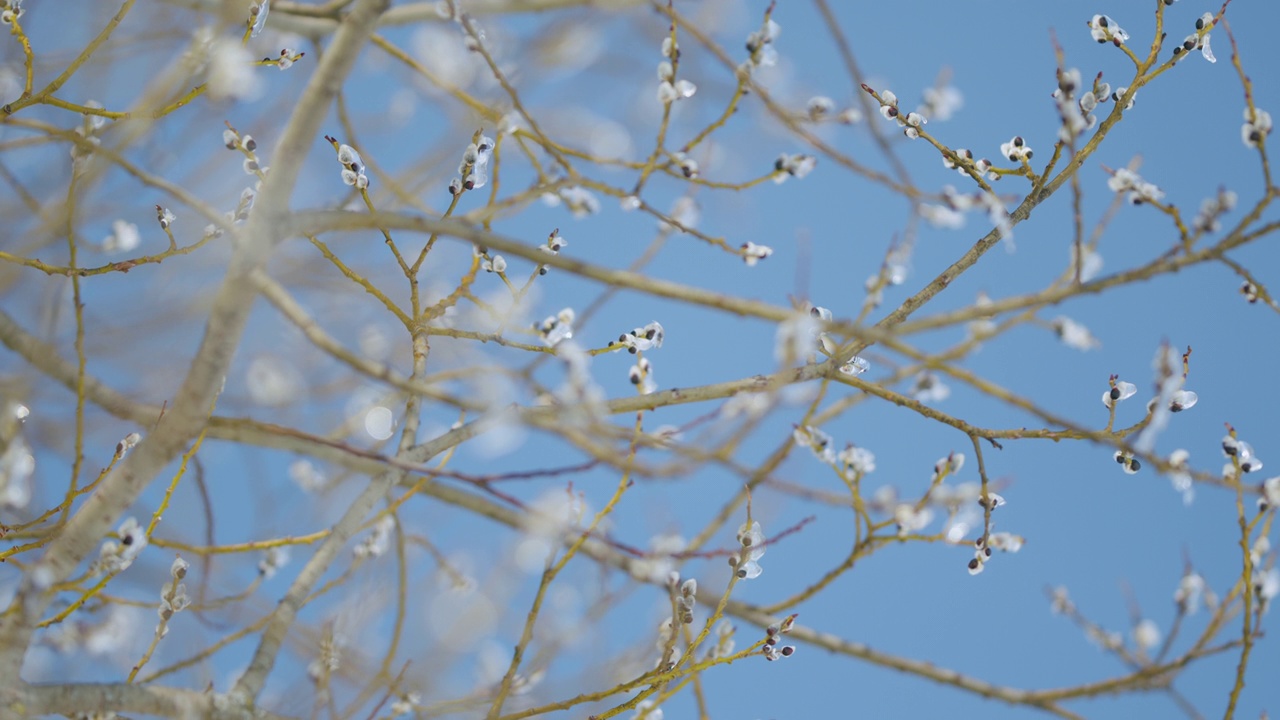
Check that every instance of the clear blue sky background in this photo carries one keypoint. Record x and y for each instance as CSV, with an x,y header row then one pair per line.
x,y
1112,539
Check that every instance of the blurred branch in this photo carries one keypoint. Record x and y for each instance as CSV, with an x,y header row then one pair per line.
x,y
320,20
72,699
227,317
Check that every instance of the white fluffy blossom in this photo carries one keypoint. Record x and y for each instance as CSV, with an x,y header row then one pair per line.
x,y
1257,125
1073,334
124,238
753,253
378,541
1105,30
796,166
556,328
231,72
745,563
818,442
1140,191
258,17
641,339
1016,149
116,556
1199,40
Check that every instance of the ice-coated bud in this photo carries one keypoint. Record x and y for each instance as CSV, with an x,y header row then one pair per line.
x,y
689,588
128,443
